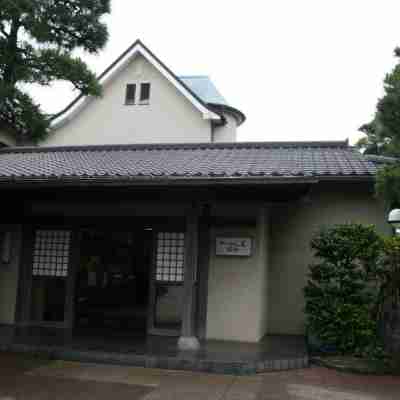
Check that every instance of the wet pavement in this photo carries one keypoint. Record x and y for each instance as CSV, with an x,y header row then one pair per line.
x,y
319,383
23,378
17,382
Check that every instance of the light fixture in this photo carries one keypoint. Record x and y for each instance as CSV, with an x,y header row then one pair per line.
x,y
394,219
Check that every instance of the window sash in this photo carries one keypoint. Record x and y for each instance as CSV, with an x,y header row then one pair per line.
x,y
144,93
130,93
170,257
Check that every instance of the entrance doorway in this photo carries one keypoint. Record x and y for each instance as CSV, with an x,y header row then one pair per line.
x,y
112,282
105,280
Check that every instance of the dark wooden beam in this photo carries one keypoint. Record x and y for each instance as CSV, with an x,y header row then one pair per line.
x,y
203,270
188,339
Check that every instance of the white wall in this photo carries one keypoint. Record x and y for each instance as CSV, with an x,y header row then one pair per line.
x,y
227,132
169,118
292,228
248,297
237,286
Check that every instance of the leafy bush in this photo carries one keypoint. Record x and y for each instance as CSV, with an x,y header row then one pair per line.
x,y
389,274
388,307
341,292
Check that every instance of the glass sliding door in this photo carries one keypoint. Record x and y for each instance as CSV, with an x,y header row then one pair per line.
x,y
50,277
167,283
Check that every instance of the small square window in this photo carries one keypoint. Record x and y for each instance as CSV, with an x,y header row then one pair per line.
x,y
144,93
130,94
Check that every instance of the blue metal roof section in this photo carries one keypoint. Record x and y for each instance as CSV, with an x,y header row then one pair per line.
x,y
204,88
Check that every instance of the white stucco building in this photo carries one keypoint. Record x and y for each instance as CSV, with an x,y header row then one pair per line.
x,y
141,212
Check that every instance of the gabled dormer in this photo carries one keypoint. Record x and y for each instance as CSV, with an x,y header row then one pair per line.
x,y
145,102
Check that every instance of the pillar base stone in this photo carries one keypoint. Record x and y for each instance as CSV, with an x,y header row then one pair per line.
x,y
188,343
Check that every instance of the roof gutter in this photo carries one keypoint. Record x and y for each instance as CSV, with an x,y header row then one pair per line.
x,y
175,181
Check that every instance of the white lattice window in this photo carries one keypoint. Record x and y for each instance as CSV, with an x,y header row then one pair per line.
x,y
170,256
51,253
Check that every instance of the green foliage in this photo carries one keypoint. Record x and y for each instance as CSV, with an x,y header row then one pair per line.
x,y
341,292
383,132
389,273
36,41
383,137
387,185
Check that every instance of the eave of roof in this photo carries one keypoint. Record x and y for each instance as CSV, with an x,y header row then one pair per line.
x,y
176,182
249,163
206,90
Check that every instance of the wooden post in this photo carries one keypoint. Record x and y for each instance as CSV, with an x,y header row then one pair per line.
x,y
203,271
188,339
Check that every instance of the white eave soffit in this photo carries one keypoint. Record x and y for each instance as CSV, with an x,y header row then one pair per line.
x,y
137,49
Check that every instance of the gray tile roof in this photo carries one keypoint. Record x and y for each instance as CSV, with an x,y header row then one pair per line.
x,y
207,162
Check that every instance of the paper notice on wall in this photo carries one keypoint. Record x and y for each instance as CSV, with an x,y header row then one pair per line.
x,y
233,246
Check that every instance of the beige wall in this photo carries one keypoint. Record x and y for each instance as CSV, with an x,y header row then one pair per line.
x,y
292,228
237,286
169,117
9,277
248,297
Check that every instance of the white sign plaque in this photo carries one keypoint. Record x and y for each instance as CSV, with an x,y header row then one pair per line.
x,y
233,246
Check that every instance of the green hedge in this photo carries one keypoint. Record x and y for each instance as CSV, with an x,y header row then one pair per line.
x,y
342,291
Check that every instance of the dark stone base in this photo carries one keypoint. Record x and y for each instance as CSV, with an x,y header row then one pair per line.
x,y
182,362
273,353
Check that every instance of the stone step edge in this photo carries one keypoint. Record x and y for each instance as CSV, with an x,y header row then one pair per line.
x,y
162,362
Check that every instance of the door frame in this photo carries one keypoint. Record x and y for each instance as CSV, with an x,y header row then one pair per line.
x,y
24,301
152,329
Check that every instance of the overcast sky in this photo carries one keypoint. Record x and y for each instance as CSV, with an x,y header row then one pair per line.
x,y
299,70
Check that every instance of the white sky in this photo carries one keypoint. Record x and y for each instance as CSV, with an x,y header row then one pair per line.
x,y
299,70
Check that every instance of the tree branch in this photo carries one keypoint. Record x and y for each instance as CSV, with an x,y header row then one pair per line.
x,y
3,31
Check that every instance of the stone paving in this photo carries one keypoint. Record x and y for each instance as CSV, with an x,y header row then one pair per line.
x,y
23,378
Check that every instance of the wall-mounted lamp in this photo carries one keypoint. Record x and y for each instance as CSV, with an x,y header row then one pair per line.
x,y
5,247
394,220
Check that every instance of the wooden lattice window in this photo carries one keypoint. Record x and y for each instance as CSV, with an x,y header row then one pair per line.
x,y
51,253
170,256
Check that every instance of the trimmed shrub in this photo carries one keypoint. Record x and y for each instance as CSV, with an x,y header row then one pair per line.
x,y
341,292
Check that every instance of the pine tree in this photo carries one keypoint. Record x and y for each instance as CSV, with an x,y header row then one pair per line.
x,y
37,38
383,137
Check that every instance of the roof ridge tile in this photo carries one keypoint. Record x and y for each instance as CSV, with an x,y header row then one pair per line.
x,y
179,146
